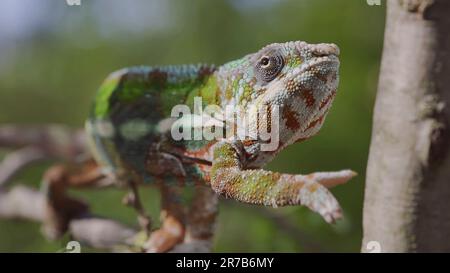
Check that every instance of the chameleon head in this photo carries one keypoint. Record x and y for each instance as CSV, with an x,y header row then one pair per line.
x,y
300,78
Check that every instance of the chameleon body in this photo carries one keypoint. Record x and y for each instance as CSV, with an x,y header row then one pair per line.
x,y
130,128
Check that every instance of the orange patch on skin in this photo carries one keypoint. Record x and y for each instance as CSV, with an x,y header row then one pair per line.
x,y
281,75
308,97
248,142
315,122
327,100
290,118
291,86
312,188
203,153
206,170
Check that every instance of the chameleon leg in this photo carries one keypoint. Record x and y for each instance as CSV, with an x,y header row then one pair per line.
x,y
172,228
268,188
202,217
133,199
61,208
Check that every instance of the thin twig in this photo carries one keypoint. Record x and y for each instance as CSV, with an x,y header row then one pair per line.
x,y
25,203
133,200
54,141
18,160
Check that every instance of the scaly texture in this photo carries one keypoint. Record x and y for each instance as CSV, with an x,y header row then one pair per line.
x,y
130,127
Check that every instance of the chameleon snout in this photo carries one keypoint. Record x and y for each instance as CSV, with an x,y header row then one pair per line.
x,y
321,50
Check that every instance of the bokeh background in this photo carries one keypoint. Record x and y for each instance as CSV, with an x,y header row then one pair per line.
x,y
54,56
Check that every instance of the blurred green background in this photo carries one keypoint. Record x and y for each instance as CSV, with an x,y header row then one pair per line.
x,y
54,56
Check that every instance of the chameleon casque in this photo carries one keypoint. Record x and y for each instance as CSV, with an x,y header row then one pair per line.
x,y
130,132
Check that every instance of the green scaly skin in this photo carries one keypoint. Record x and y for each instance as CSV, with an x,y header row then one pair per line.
x,y
130,124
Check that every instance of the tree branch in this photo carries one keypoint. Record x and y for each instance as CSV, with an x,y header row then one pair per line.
x,y
60,213
28,204
406,206
16,161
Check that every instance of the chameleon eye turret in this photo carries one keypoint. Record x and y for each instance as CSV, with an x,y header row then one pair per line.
x,y
269,65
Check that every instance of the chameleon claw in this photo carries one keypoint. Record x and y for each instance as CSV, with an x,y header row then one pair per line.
x,y
332,218
332,179
317,198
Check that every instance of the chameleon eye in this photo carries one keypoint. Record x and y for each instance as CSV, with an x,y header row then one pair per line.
x,y
265,61
269,66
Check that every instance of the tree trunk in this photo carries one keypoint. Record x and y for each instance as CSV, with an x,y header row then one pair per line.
x,y
407,196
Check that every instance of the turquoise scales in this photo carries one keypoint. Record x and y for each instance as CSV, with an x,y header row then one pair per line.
x,y
130,135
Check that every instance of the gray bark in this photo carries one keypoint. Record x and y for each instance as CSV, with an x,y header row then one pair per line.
x,y
407,196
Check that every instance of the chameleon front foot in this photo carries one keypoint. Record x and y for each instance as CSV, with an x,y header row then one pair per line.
x,y
319,199
315,195
257,186
172,230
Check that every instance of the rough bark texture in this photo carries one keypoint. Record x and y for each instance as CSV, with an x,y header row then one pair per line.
x,y
407,197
